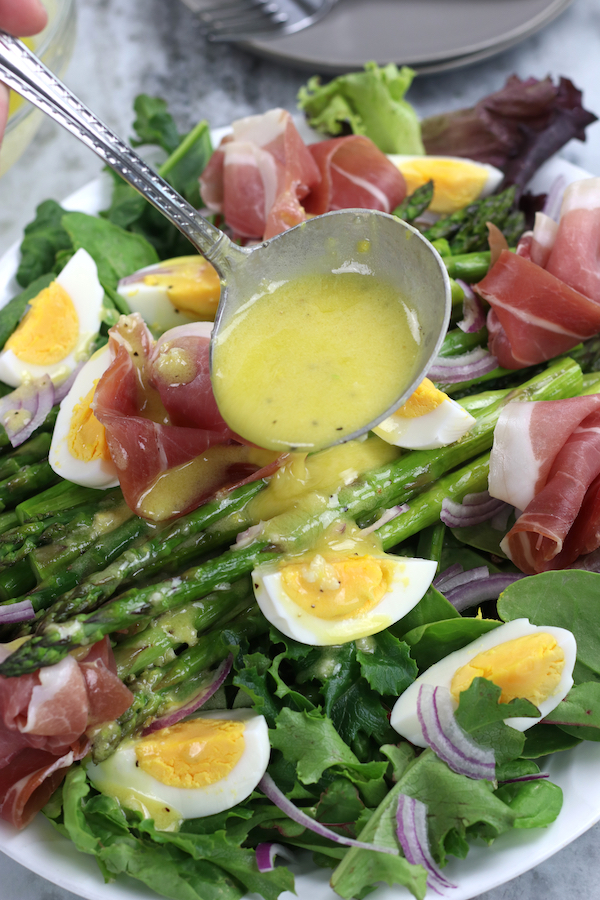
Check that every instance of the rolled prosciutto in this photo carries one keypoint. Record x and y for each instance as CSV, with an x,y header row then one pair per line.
x,y
354,173
258,175
545,299
44,718
169,443
534,315
546,462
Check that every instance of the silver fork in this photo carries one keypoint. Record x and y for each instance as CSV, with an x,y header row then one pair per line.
x,y
236,20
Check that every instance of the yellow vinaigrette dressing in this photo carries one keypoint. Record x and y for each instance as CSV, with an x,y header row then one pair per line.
x,y
312,360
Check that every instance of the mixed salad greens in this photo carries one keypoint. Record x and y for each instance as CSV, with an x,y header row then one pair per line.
x,y
334,754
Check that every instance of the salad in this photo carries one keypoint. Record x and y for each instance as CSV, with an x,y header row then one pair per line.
x,y
339,637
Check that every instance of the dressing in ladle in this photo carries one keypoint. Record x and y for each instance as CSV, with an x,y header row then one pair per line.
x,y
373,248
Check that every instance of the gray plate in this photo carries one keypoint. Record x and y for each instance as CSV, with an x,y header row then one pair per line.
x,y
430,35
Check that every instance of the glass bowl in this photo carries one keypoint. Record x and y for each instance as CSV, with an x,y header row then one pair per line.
x,y
54,46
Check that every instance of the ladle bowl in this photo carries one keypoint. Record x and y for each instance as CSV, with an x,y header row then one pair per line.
x,y
398,253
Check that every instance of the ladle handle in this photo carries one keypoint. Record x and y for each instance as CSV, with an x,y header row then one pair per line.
x,y
21,70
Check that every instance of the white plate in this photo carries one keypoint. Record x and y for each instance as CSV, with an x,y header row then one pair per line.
x,y
429,35
42,850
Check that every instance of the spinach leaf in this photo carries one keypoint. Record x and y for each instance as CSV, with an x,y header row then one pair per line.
x,y
432,607
154,124
536,803
44,238
116,252
579,713
567,599
432,642
540,740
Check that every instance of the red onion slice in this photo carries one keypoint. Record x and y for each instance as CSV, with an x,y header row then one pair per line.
x,y
278,798
462,577
266,853
453,369
36,398
411,828
474,509
22,611
464,596
450,572
65,386
204,693
473,312
386,517
446,738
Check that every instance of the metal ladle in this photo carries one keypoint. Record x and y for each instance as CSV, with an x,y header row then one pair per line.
x,y
398,252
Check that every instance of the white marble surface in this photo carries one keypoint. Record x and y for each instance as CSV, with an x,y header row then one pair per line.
x,y
125,47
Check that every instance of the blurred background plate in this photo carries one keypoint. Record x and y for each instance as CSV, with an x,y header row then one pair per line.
x,y
430,35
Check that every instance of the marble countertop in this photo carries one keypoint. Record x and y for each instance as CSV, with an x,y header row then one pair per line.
x,y
125,47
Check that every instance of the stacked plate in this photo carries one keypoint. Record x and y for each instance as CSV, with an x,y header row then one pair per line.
x,y
429,35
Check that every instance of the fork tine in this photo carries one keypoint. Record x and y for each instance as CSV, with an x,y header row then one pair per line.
x,y
235,18
239,7
248,16
225,34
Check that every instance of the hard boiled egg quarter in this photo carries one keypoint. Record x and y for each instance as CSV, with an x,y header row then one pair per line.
x,y
57,331
525,660
319,601
173,292
456,181
428,419
79,451
199,767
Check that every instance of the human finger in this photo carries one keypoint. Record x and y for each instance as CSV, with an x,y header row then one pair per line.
x,y
22,17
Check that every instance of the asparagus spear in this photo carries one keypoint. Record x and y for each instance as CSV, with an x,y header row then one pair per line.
x,y
469,267
102,552
155,645
31,451
28,481
65,495
387,486
137,604
160,689
181,540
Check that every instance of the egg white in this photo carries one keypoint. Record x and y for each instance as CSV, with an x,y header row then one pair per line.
x,y
493,176
412,577
152,301
79,278
95,473
404,714
440,426
120,770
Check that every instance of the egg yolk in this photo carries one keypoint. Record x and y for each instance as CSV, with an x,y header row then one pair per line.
x,y
192,286
456,183
338,589
192,754
87,437
423,400
49,330
530,666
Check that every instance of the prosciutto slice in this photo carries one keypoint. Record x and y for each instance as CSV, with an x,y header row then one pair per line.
x,y
535,316
44,718
259,174
546,461
574,256
354,174
158,409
